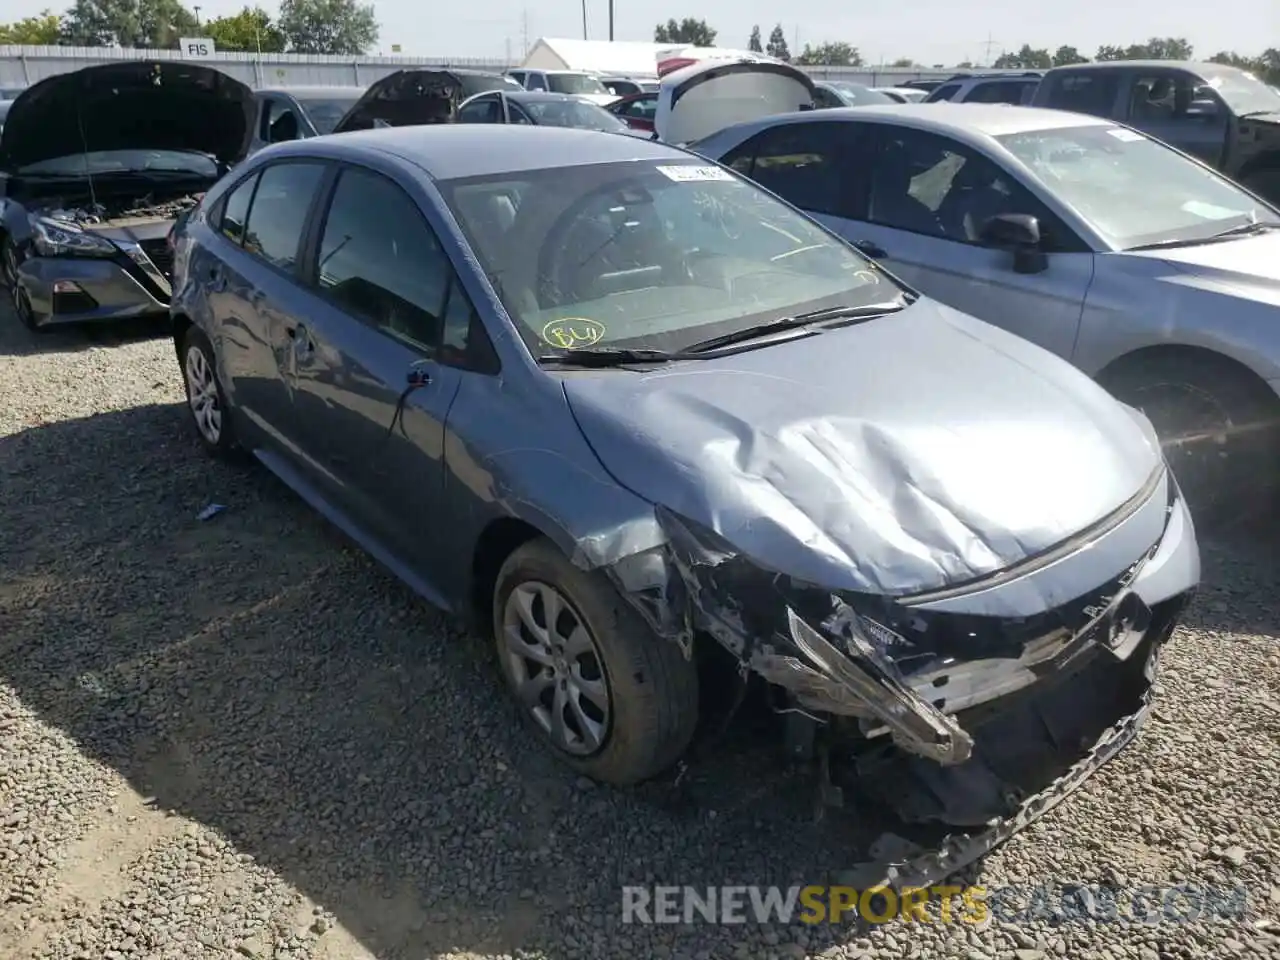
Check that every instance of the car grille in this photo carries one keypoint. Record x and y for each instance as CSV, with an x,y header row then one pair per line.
x,y
160,254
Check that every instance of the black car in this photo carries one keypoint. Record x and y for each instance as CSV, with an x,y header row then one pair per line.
x,y
418,96
1221,115
293,113
95,166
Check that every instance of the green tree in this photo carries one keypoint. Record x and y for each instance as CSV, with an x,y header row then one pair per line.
x,y
251,29
690,31
754,44
41,30
128,23
830,54
1108,53
777,46
1024,59
1066,55
1160,48
903,62
327,26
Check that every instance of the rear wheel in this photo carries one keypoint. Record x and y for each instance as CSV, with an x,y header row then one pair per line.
x,y
612,700
1218,424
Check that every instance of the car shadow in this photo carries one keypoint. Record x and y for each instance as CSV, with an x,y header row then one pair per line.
x,y
260,675
17,341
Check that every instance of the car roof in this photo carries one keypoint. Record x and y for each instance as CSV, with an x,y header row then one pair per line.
x,y
1194,66
539,96
960,121
449,150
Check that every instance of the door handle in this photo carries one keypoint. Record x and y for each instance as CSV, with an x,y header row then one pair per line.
x,y
870,248
217,280
302,344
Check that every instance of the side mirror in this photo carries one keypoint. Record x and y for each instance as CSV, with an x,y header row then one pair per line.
x,y
808,106
1204,110
1019,233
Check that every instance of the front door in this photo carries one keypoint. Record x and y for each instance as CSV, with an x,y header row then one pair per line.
x,y
928,201
370,387
1179,109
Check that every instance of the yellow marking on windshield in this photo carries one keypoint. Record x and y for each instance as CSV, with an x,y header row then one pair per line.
x,y
573,332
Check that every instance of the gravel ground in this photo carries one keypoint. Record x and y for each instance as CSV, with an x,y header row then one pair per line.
x,y
242,738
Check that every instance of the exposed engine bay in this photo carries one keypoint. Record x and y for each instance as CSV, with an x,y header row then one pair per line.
x,y
120,211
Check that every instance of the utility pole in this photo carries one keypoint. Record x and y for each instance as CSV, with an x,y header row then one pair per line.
x,y
610,21
197,8
989,44
584,19
524,29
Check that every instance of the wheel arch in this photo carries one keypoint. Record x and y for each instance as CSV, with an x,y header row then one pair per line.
x,y
499,539
179,324
1111,375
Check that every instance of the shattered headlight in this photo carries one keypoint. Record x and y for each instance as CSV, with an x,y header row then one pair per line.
x,y
60,238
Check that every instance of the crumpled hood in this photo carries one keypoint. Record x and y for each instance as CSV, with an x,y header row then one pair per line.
x,y
130,105
1248,264
899,455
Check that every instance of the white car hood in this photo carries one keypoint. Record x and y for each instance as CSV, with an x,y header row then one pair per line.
x,y
702,98
1249,265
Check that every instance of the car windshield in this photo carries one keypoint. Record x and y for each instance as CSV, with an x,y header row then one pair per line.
x,y
325,112
573,113
104,162
1131,189
857,94
575,83
647,255
1243,92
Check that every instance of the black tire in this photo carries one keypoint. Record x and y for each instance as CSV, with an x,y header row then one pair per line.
x,y
9,281
1218,423
223,444
651,687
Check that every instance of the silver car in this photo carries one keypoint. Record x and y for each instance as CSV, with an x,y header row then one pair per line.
x,y
1150,271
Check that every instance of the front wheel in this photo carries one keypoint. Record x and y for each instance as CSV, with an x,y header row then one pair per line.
x,y
1219,426
613,700
206,400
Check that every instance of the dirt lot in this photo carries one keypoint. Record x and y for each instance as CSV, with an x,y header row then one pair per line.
x,y
240,737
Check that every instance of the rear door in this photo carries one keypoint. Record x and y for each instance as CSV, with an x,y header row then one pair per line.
x,y
1095,92
928,200
255,289
377,364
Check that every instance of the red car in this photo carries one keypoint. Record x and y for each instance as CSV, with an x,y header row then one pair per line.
x,y
636,110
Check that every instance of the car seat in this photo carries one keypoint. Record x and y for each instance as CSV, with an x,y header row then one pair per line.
x,y
891,201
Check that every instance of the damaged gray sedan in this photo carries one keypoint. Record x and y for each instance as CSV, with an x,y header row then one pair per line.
x,y
621,406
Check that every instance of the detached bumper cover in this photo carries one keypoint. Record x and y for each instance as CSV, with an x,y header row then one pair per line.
x,y
113,292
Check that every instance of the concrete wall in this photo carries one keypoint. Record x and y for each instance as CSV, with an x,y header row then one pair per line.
x,y
25,65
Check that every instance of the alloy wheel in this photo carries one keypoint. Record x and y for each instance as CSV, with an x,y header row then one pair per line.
x,y
202,394
556,667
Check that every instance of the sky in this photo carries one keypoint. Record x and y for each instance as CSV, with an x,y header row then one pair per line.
x,y
927,31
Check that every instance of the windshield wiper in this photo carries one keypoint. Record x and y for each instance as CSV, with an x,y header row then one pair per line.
x,y
1243,230
609,356
842,316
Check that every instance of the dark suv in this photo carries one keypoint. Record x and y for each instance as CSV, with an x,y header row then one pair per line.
x,y
1222,115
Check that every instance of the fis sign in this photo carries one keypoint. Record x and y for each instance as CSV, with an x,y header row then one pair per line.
x,y
196,47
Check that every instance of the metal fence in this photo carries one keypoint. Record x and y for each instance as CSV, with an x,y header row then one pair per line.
x,y
22,65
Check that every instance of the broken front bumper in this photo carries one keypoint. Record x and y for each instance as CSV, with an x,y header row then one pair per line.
x,y
92,289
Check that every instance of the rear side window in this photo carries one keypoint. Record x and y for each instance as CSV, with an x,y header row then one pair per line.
x,y
645,108
944,92
380,261
235,210
803,163
279,212
999,92
480,111
1093,92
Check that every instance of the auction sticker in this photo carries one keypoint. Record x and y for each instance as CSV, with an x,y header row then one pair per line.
x,y
1128,136
685,173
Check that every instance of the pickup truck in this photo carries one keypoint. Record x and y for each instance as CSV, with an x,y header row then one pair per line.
x,y
1221,115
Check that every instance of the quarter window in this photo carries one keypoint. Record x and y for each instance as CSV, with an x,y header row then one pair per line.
x,y
1093,93
279,212
380,261
235,210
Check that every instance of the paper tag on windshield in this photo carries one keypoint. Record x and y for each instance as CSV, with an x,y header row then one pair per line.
x,y
686,174
1128,136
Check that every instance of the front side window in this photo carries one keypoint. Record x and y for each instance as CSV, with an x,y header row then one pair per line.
x,y
643,254
931,185
1132,189
578,83
279,212
643,108
381,262
804,163
536,82
480,110
1162,99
